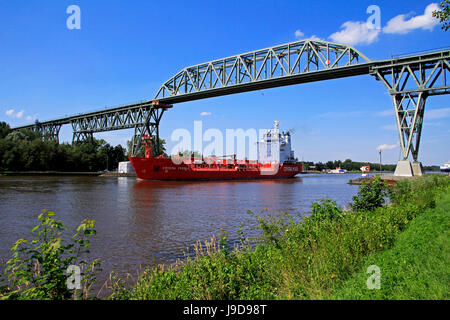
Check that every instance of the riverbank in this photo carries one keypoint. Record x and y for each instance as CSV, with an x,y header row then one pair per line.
x,y
416,267
388,178
314,258
50,173
116,174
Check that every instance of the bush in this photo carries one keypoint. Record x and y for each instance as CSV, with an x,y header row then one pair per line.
x,y
38,268
370,195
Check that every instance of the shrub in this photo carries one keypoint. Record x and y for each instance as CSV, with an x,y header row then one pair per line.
x,y
370,195
325,210
38,268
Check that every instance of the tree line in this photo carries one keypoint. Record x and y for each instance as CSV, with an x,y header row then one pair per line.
x,y
350,165
26,150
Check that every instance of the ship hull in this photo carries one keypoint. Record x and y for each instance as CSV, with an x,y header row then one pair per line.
x,y
166,169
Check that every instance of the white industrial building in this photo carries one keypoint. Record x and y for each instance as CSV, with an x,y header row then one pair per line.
x,y
125,167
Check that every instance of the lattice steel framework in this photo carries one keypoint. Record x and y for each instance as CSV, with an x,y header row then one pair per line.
x,y
410,82
49,131
291,63
143,118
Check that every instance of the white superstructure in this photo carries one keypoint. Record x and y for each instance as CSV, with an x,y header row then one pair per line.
x,y
275,146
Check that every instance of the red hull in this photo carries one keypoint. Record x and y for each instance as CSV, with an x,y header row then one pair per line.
x,y
166,169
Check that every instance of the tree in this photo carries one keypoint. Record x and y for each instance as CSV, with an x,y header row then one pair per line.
x,y
347,165
4,129
444,14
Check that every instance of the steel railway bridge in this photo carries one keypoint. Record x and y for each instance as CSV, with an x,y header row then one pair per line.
x,y
410,80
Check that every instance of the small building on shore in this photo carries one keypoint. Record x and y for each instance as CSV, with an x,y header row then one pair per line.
x,y
125,167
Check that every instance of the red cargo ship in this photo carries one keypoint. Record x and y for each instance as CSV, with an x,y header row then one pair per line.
x,y
213,168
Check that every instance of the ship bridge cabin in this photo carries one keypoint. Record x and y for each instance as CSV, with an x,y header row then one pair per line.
x,y
275,147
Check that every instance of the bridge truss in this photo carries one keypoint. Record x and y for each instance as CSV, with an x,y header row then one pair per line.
x,y
410,81
291,63
143,117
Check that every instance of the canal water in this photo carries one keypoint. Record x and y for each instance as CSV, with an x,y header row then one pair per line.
x,y
148,222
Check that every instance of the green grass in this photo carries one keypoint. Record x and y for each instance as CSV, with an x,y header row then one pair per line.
x,y
325,255
417,267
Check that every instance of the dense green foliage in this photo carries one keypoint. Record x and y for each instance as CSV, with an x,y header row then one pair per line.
x,y
38,268
444,14
370,195
4,130
29,151
310,259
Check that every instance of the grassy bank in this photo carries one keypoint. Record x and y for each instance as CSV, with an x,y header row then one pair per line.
x,y
416,267
315,258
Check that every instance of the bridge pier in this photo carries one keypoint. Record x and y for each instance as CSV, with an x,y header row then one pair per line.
x,y
80,137
150,127
48,131
410,83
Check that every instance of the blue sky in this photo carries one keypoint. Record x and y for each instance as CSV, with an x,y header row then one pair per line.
x,y
125,50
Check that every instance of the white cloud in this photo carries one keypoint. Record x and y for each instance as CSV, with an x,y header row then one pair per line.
x,y
385,113
314,37
203,114
13,114
298,33
437,113
387,146
401,24
389,127
19,114
355,32
28,118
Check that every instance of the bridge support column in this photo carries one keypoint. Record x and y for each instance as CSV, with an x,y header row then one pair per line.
x,y
410,83
409,109
48,131
149,127
79,137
